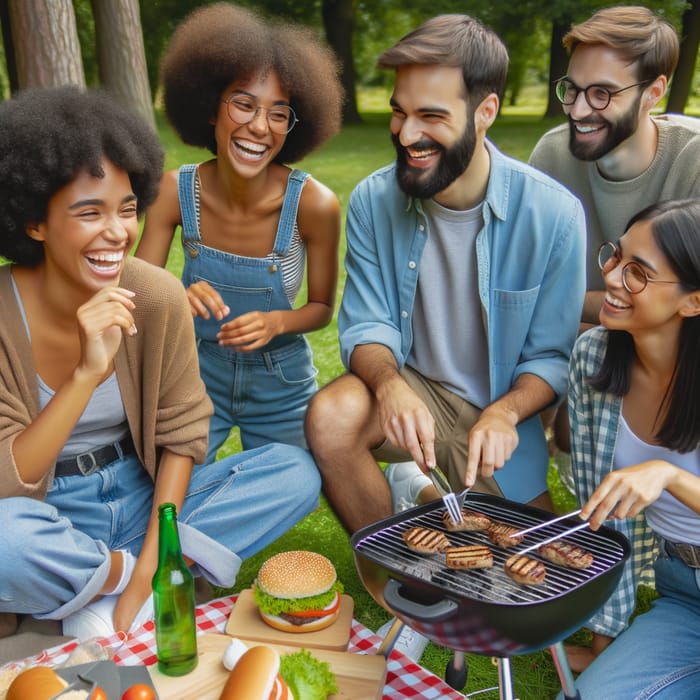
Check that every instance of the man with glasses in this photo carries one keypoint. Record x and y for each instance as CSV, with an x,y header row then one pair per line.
x,y
613,154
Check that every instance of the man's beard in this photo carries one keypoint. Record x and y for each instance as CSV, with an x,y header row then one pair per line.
x,y
617,132
424,183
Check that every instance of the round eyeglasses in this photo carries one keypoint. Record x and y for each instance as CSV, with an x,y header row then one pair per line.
x,y
597,96
242,110
634,276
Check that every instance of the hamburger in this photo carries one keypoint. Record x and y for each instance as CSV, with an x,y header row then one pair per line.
x,y
298,591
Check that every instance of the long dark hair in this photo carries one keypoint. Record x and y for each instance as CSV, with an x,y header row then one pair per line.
x,y
675,226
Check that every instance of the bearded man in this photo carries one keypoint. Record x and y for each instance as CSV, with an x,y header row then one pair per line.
x,y
614,154
463,266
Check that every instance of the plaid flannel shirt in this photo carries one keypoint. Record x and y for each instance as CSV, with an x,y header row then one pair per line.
x,y
595,418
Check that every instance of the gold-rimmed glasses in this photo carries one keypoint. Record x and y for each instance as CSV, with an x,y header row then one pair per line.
x,y
243,109
634,277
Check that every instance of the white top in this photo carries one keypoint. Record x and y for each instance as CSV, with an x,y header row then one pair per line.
x,y
667,516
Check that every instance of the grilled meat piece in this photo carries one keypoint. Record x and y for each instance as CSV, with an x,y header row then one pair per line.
x,y
475,556
500,534
472,521
425,540
566,553
525,570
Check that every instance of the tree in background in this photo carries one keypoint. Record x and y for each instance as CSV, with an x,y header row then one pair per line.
x,y
690,40
120,55
43,48
45,43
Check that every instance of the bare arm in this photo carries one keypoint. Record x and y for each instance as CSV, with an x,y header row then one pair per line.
x,y
494,437
162,218
172,481
403,417
626,492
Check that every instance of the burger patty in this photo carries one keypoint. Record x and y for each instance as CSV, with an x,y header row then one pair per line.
x,y
424,540
298,620
525,570
475,556
471,521
566,553
501,534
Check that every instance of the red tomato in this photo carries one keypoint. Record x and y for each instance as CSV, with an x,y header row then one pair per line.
x,y
140,691
98,694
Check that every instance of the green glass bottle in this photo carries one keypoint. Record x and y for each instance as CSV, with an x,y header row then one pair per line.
x,y
173,600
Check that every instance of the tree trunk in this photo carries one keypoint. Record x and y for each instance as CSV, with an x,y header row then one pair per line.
x,y
338,21
558,63
683,77
120,55
47,51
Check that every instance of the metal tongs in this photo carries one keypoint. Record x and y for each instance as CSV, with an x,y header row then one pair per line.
x,y
546,523
453,502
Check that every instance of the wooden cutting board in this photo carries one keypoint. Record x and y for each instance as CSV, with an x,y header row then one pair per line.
x,y
245,623
358,676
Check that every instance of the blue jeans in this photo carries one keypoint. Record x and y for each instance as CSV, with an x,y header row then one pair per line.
x,y
264,394
658,656
55,554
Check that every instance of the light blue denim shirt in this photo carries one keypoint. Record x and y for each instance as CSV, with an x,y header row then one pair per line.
x,y
531,264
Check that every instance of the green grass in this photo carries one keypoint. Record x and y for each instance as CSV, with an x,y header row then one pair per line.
x,y
340,164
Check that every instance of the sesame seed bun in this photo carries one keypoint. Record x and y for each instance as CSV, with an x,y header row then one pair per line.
x,y
296,574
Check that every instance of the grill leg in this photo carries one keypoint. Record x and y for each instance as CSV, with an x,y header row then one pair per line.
x,y
505,680
561,663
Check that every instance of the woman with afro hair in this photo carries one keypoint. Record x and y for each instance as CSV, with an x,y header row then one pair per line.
x,y
102,410
258,94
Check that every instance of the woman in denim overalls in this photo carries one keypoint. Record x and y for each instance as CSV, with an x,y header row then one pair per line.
x,y
258,95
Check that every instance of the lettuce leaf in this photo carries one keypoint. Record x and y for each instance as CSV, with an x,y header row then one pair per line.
x,y
275,606
307,677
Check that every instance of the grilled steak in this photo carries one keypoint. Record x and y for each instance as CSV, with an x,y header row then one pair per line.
x,y
566,554
471,521
476,556
425,541
525,570
500,534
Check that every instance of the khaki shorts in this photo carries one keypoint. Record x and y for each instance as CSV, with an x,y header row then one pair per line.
x,y
454,418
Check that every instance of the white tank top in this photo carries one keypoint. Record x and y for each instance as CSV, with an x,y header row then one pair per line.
x,y
667,516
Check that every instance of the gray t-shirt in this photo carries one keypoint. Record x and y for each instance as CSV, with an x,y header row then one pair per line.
x,y
449,336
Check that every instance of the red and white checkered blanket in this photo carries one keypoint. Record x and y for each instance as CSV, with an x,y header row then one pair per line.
x,y
405,679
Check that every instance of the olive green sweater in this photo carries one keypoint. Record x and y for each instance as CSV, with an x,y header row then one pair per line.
x,y
608,205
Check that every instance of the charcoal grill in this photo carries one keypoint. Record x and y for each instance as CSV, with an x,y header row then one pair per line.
x,y
484,611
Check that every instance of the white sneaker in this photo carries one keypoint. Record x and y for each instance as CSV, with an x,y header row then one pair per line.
x,y
406,481
409,642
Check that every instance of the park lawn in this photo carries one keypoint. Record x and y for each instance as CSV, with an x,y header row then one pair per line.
x,y
340,164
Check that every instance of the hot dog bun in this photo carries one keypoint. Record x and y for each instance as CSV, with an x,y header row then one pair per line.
x,y
256,677
37,683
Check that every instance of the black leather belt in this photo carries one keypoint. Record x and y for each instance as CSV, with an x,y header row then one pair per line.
x,y
89,462
688,553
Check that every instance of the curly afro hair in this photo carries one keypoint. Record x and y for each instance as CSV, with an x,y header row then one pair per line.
x,y
222,43
48,136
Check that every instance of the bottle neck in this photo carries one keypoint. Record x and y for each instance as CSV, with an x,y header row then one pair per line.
x,y
168,537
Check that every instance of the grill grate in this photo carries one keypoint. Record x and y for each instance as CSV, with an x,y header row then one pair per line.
x,y
386,548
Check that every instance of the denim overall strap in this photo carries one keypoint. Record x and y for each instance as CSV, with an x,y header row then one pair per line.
x,y
186,181
288,216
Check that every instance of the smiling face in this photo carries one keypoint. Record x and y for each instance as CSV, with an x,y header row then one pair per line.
x,y
91,225
593,133
658,307
431,128
251,147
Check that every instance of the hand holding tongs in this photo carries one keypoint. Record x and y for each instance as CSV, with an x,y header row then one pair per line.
x,y
452,501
